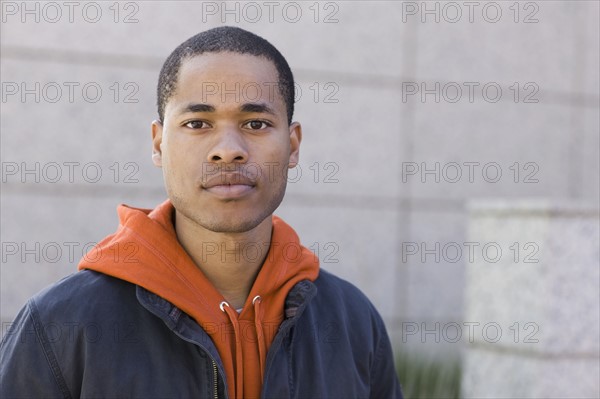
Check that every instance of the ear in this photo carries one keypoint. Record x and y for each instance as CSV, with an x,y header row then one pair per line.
x,y
295,139
157,131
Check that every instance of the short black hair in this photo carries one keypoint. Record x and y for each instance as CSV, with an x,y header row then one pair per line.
x,y
217,40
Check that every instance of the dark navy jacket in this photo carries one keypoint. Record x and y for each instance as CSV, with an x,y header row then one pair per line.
x,y
94,336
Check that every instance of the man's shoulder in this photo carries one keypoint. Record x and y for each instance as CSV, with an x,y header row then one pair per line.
x,y
331,282
82,292
335,291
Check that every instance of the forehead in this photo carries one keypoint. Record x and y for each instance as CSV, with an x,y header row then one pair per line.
x,y
227,79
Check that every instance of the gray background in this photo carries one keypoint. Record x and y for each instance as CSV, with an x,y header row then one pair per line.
x,y
362,135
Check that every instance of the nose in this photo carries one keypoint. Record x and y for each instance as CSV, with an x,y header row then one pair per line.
x,y
229,147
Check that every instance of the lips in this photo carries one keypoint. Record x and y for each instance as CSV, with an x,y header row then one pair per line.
x,y
229,185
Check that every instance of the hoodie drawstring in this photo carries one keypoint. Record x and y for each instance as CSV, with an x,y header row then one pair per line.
x,y
239,372
260,337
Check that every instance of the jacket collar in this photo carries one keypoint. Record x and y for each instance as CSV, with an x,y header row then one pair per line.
x,y
185,327
295,303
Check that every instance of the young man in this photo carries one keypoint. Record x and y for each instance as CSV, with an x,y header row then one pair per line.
x,y
209,294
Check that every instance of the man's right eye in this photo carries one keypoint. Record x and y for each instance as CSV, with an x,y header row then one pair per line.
x,y
195,124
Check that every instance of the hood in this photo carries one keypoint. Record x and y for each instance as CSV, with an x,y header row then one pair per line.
x,y
145,251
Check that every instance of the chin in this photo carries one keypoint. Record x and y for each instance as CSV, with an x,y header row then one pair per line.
x,y
229,225
232,218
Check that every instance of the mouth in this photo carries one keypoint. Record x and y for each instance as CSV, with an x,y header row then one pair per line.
x,y
230,191
229,185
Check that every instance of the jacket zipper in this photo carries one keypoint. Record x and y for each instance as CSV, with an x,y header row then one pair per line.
x,y
214,363
216,396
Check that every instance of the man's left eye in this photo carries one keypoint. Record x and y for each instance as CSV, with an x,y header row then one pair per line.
x,y
256,125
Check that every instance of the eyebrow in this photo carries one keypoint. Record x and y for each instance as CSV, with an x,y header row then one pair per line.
x,y
198,108
257,108
246,108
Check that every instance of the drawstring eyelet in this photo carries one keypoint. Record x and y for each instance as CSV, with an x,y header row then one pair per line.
x,y
256,298
222,304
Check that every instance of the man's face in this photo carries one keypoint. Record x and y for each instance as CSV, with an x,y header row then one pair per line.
x,y
225,144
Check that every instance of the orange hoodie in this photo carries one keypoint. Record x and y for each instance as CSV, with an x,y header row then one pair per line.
x,y
145,251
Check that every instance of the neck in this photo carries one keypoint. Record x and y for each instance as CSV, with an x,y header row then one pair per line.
x,y
230,261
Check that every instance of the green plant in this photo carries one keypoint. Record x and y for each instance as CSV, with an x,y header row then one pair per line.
x,y
424,377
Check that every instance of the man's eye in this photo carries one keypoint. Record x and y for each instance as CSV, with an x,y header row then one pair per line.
x,y
196,124
257,125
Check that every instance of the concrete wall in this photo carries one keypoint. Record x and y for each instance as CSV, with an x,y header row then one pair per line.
x,y
534,309
373,120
